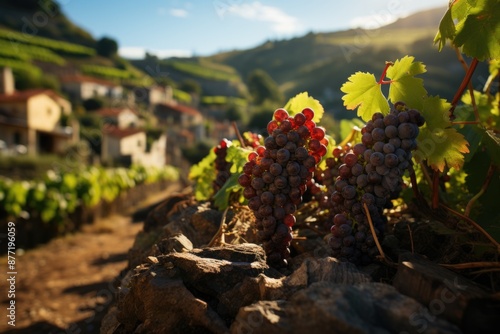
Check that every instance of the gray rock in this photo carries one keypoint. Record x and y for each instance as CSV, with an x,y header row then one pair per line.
x,y
326,269
328,307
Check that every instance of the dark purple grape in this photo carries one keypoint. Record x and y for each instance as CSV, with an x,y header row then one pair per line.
x,y
377,159
378,134
349,192
282,156
275,169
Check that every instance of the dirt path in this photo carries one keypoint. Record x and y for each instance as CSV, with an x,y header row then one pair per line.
x,y
66,285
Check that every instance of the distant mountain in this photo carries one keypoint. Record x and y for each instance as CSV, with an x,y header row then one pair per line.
x,y
321,62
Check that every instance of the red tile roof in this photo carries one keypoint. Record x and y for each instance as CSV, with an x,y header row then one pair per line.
x,y
114,131
180,109
113,112
24,95
83,78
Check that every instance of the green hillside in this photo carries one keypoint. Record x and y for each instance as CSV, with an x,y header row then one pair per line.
x,y
321,62
38,54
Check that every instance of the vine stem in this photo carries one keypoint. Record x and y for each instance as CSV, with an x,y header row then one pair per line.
x,y
476,226
220,231
489,176
372,228
471,265
469,86
238,134
381,81
463,85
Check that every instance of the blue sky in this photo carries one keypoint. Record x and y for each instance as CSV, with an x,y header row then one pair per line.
x,y
185,28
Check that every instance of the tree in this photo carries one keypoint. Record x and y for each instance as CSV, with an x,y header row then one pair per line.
x,y
93,103
106,47
190,86
262,87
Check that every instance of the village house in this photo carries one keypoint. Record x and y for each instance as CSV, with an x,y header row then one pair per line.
x,y
121,117
81,88
126,146
153,95
30,120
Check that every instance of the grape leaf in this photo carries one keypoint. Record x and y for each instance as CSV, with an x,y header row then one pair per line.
x,y
446,30
479,33
302,100
203,174
221,198
472,25
363,90
404,86
438,142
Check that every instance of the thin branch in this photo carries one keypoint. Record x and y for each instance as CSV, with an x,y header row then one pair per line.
x,y
469,85
350,137
465,122
372,228
476,226
411,239
471,265
463,85
238,134
486,183
220,231
384,72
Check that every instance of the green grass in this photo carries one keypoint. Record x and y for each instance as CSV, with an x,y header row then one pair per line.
x,y
29,52
19,65
181,96
201,71
105,72
223,100
57,46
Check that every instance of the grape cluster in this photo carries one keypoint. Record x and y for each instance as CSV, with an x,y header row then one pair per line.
x,y
222,167
369,173
276,175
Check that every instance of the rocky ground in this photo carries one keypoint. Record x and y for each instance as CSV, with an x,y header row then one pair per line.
x,y
194,269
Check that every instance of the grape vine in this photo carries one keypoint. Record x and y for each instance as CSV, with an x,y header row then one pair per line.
x,y
409,139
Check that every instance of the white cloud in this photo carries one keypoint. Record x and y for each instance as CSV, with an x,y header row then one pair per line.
x,y
178,12
280,21
137,52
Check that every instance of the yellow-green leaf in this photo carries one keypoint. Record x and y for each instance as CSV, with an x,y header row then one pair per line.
x,y
438,142
363,90
301,101
404,86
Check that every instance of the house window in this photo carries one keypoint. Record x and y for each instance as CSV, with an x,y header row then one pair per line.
x,y
49,111
17,138
139,143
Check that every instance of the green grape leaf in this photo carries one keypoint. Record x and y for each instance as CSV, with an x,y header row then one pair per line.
x,y
203,174
479,33
302,100
438,142
472,25
446,30
362,90
404,86
221,198
237,156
